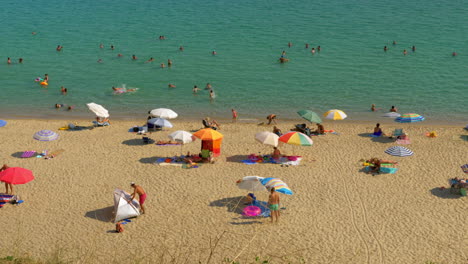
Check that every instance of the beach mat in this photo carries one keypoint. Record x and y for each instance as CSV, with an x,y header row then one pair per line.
x,y
5,198
384,170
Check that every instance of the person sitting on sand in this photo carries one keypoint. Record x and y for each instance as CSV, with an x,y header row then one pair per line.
x,y
277,131
271,118
276,153
102,120
375,166
377,130
213,124
250,199
320,129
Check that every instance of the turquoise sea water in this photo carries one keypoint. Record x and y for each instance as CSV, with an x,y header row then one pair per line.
x,y
350,72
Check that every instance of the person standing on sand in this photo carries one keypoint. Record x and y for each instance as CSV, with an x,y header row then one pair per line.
x,y
271,118
7,185
273,204
141,195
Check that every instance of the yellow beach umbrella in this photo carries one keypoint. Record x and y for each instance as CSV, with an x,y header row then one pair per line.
x,y
335,114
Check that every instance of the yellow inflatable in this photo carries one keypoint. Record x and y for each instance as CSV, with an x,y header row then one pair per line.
x,y
44,83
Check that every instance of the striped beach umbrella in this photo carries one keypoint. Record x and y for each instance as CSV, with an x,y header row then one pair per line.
x,y
296,138
391,114
267,138
335,114
46,135
399,151
310,116
409,118
278,184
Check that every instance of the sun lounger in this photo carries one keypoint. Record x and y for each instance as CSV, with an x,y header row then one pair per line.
x,y
28,154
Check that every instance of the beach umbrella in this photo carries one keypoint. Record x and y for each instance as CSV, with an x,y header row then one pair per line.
x,y
161,122
251,183
296,138
46,135
335,114
391,114
99,110
163,113
3,123
181,136
278,184
465,168
399,151
310,116
16,175
267,138
208,134
409,118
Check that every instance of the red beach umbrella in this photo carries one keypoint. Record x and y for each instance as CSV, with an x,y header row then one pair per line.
x,y
16,175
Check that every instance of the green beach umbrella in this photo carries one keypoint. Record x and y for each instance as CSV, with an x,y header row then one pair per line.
x,y
310,116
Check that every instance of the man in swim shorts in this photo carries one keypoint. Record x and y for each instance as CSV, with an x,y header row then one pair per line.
x,y
141,195
273,204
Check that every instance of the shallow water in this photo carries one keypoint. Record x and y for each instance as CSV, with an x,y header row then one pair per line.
x,y
350,72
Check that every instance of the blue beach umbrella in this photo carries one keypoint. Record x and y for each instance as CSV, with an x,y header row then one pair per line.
x,y
46,135
161,122
409,118
3,123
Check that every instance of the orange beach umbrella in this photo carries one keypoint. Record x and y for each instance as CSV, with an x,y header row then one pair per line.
x,y
208,134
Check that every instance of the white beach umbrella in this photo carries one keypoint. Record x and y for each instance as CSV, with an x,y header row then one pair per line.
x,y
99,110
335,114
181,136
267,138
391,114
163,113
160,122
251,183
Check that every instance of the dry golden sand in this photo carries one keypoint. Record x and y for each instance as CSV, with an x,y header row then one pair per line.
x,y
338,214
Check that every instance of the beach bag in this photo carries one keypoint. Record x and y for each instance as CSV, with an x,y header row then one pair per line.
x,y
119,227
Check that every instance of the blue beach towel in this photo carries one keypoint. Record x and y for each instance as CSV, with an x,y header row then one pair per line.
x,y
384,170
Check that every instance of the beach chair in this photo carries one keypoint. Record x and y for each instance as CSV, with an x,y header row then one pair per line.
x,y
398,132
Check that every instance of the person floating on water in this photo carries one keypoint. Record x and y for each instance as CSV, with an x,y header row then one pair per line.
x,y
394,42
134,57
171,85
150,60
121,90
59,48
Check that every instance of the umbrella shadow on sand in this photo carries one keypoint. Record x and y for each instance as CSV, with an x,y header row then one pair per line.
x,y
136,142
103,214
150,160
381,139
445,193
17,154
235,205
236,158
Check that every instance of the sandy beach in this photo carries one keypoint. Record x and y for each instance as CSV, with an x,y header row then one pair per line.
x,y
338,214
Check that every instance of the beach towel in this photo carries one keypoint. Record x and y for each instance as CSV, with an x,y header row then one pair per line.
x,y
96,123
28,154
5,198
384,170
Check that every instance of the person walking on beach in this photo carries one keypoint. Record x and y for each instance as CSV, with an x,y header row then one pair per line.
x,y
273,204
137,189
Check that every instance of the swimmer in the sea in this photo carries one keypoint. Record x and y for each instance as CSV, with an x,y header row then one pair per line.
x,y
101,46
213,52
169,62
119,55
373,108
20,60
454,54
181,48
63,90
385,48
163,65
8,60
71,107
150,60
405,52
46,77
171,85
58,106
312,50
283,54
394,42
289,44
59,48
99,61
112,47
134,57
208,86
307,45
195,89
413,48
33,33
319,48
